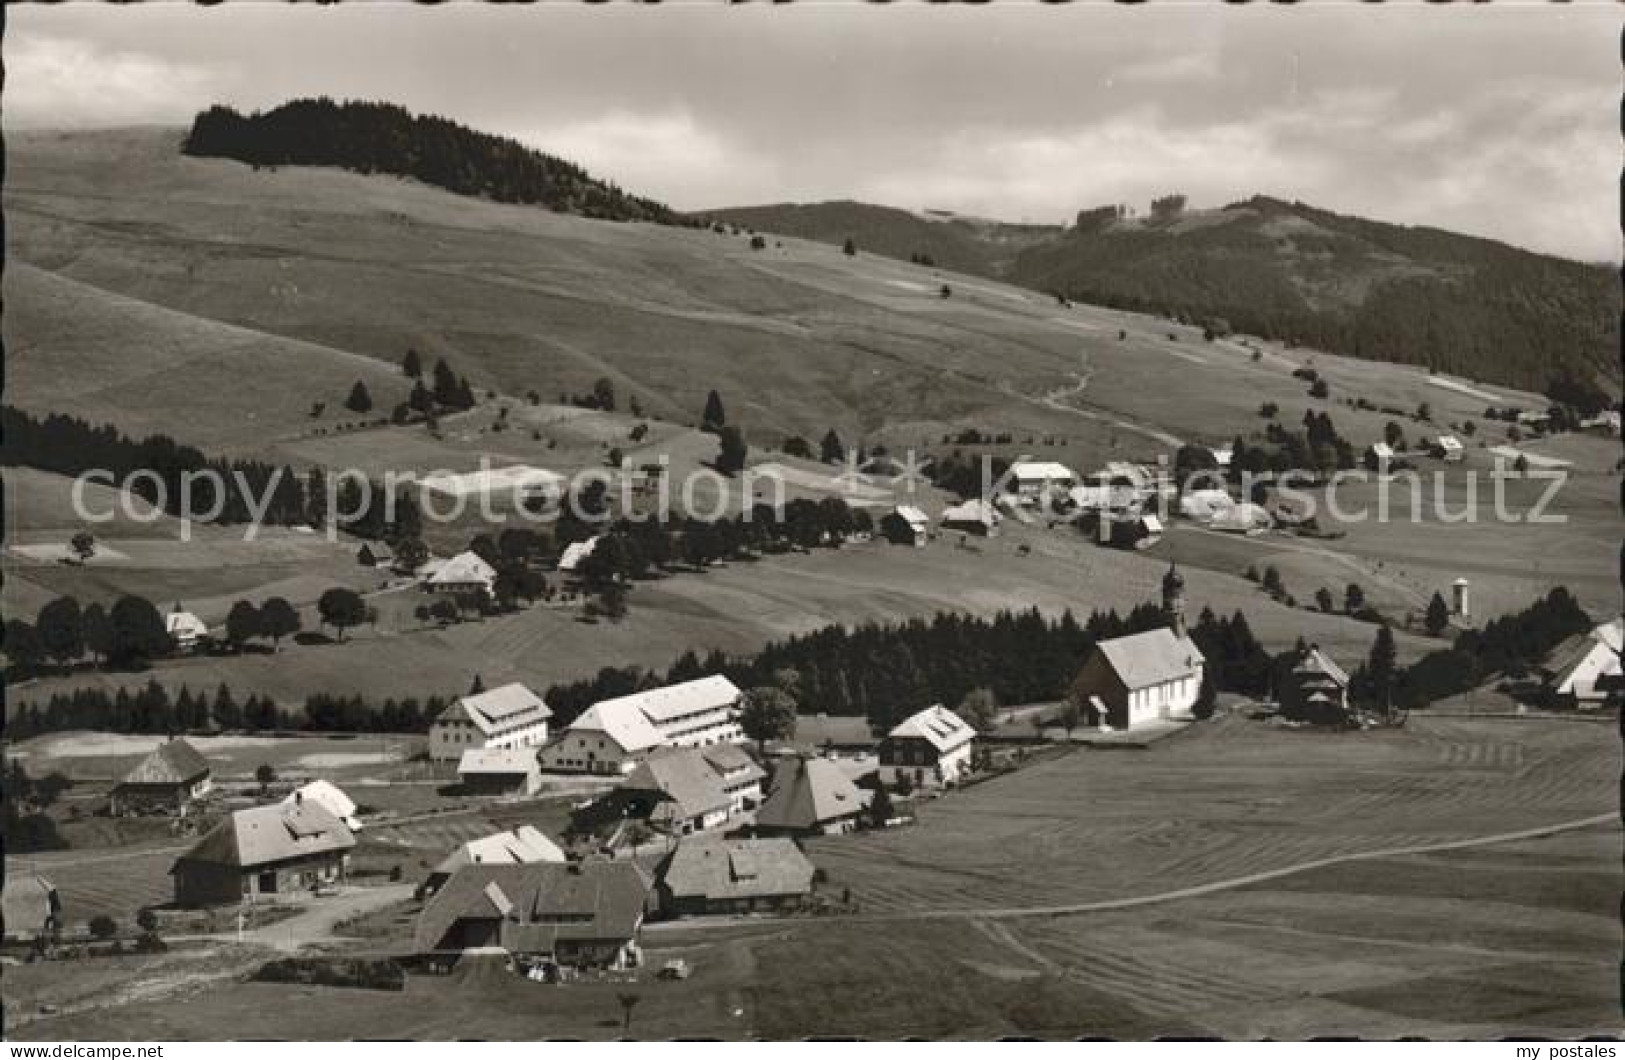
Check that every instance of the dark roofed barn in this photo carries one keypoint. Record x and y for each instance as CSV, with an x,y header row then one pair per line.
x,y
584,914
276,849
168,779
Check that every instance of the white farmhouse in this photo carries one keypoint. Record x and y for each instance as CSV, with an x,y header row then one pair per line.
x,y
1448,447
1037,478
186,628
614,735
1586,667
931,749
508,717
464,574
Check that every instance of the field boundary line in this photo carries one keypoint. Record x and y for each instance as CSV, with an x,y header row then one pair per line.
x,y
1197,891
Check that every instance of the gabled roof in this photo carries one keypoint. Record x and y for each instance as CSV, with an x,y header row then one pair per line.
x,y
1381,450
661,705
329,797
575,552
499,761
463,569
174,762
972,511
502,708
521,846
733,762
630,729
1042,470
540,903
1611,634
684,776
913,516
814,731
806,793
184,624
264,835
1149,658
1448,441
715,868
938,726
1315,661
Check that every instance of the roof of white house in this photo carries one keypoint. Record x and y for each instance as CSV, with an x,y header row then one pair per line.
x,y
502,707
630,729
184,624
497,761
575,552
938,726
1151,523
1041,471
1223,455
913,516
328,796
520,846
972,511
1382,450
261,835
463,569
675,701
519,478
1449,441
1150,658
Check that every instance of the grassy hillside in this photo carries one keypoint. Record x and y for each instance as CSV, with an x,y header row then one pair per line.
x,y
1409,295
952,242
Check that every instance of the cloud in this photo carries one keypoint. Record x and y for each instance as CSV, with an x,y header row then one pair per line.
x,y
60,82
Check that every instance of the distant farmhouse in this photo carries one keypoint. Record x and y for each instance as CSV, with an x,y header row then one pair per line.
x,y
808,797
525,845
1448,447
1313,688
508,717
465,575
1145,677
265,850
168,780
375,554
931,749
186,630
710,875
1584,670
683,790
973,517
1033,479
499,771
906,525
614,735
580,914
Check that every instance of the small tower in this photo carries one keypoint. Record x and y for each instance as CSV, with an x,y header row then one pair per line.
x,y
1173,600
1458,598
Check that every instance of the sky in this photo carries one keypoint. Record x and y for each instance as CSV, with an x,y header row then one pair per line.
x,y
1500,120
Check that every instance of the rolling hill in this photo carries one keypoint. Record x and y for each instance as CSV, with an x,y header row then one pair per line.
x,y
1286,271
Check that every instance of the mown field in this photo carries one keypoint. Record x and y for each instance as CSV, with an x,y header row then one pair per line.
x,y
1223,801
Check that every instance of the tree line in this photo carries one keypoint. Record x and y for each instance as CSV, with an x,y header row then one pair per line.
x,y
383,138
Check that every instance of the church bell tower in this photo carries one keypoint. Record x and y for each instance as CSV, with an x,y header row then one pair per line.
x,y
1173,600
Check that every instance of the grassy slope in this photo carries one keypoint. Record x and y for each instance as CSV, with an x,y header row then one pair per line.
x,y
303,280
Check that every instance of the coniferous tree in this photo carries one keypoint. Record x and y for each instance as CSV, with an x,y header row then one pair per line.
x,y
714,418
359,400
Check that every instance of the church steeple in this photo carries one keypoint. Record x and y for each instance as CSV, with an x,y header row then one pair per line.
x,y
1173,600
